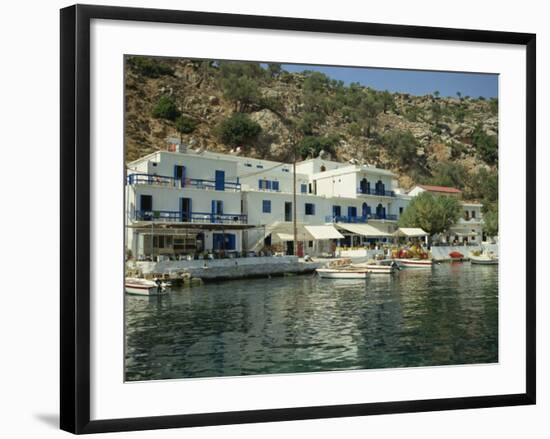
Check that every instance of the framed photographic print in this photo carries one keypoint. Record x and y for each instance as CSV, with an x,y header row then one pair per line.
x,y
272,218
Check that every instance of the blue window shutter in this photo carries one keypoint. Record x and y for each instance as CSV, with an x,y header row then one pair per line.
x,y
313,209
221,207
213,206
275,185
260,184
268,184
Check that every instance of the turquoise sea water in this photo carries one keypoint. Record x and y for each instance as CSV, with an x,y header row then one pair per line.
x,y
424,317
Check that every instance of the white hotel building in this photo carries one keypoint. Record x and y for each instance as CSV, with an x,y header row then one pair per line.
x,y
180,203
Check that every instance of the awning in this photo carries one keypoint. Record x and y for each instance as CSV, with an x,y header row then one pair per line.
x,y
364,230
324,232
410,232
285,237
464,233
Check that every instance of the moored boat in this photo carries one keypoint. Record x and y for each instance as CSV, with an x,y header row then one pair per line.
x,y
343,273
144,287
414,263
484,259
381,267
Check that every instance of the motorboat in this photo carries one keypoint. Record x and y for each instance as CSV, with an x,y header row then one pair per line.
x,y
144,287
379,267
414,263
489,258
343,273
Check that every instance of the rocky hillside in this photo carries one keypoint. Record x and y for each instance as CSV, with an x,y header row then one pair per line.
x,y
263,111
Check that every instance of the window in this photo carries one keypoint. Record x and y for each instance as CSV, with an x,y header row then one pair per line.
x,y
473,213
400,211
323,168
310,209
261,184
267,184
260,166
303,188
352,211
310,244
248,165
275,185
285,170
266,206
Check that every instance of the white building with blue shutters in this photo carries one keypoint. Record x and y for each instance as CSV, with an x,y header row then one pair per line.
x,y
188,202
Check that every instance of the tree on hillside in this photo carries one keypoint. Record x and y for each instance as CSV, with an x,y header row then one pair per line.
x,y
436,94
386,98
243,91
369,110
311,146
274,70
449,174
434,214
185,125
490,220
459,94
238,130
402,145
486,145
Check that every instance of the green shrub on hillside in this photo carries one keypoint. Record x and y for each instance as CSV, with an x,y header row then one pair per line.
x,y
150,67
166,109
486,145
312,145
403,145
238,130
185,124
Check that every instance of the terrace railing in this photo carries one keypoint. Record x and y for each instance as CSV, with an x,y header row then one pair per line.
x,y
374,191
196,183
192,217
359,219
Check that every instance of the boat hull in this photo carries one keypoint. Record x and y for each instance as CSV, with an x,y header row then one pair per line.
x,y
328,273
484,261
144,288
414,263
377,269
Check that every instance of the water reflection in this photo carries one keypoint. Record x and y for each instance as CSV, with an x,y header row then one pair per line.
x,y
447,315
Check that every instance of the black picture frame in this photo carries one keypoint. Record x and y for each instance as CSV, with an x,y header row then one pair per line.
x,y
75,218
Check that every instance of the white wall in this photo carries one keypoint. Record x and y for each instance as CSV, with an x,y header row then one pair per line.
x,y
31,409
196,166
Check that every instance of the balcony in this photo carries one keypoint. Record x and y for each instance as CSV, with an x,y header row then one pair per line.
x,y
359,219
174,216
377,192
196,183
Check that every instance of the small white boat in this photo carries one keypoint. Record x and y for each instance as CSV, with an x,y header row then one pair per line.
x,y
382,267
414,263
144,287
343,273
484,259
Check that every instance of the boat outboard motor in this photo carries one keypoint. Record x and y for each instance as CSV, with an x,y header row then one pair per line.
x,y
159,285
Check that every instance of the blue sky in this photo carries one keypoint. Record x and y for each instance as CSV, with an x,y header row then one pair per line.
x,y
416,82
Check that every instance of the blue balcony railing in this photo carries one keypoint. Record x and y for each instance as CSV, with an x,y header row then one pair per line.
x,y
192,217
197,183
359,219
345,219
374,191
